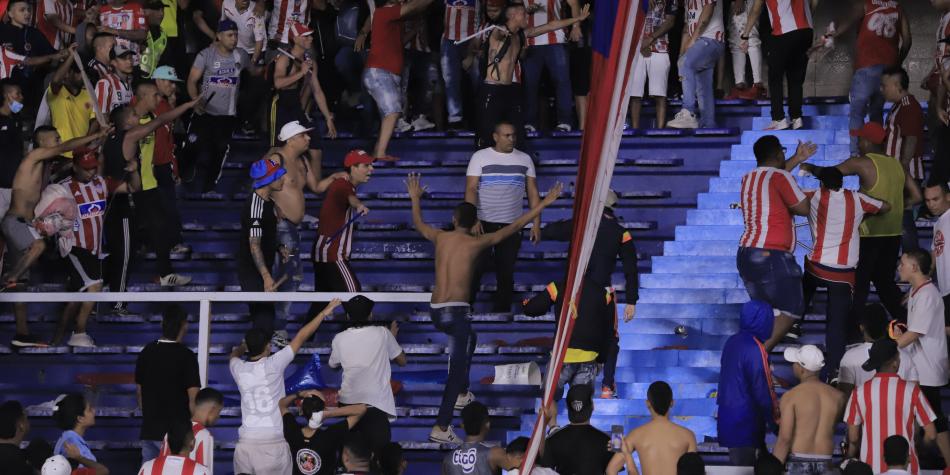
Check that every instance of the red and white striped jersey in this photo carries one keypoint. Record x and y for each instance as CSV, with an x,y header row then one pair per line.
x,y
91,198
285,12
943,31
550,11
112,92
788,15
334,235
173,465
834,219
885,406
66,11
715,29
8,61
203,453
461,19
906,119
126,17
766,195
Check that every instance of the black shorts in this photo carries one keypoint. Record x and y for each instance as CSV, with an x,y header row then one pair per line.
x,y
932,393
85,270
580,61
286,108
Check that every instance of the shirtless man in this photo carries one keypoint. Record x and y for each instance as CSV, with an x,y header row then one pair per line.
x,y
455,255
499,98
293,155
810,412
659,442
23,241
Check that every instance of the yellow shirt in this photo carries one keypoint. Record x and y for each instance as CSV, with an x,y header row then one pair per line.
x,y
890,188
146,156
70,114
170,21
573,355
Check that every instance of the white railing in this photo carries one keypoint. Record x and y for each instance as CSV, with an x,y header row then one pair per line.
x,y
204,300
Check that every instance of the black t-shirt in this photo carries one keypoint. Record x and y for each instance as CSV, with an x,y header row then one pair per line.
x,y
258,219
114,167
27,41
577,450
318,455
13,461
165,370
11,142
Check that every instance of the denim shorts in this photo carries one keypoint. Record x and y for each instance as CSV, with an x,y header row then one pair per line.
x,y
774,277
576,374
809,465
385,88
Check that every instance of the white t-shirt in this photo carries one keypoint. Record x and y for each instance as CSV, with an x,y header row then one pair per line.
x,y
251,29
928,355
261,384
502,178
942,258
850,371
365,353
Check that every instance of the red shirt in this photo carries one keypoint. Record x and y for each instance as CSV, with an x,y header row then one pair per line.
x,y
906,119
333,245
164,140
879,34
835,217
385,50
126,17
887,405
788,15
766,195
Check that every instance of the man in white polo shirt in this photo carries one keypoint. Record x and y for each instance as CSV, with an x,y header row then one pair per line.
x,y
496,182
924,344
937,199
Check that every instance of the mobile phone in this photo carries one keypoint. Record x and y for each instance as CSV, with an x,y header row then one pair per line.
x,y
616,438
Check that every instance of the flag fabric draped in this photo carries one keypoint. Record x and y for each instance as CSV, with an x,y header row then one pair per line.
x,y
616,33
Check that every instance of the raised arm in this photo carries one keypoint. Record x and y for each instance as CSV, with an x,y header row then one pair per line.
x,y
413,7
496,237
415,188
139,132
804,151
352,413
46,153
56,83
907,39
558,24
310,328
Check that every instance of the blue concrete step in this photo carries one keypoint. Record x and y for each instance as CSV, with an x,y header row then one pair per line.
x,y
691,264
683,407
691,295
836,122
738,168
691,281
734,183
809,110
792,137
699,248
637,328
829,152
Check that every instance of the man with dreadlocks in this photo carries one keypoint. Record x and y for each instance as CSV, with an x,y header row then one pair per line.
x,y
499,99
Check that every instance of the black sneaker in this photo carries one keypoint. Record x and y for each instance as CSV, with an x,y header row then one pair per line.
x,y
121,309
22,341
795,332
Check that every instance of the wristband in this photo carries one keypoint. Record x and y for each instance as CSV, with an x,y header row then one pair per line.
x,y
744,37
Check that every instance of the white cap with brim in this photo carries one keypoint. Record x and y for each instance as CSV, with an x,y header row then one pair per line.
x,y
291,129
56,465
809,356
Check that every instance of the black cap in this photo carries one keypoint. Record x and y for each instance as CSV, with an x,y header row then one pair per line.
x,y
358,308
881,352
580,403
153,5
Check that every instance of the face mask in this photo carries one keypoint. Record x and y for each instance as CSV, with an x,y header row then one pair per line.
x,y
16,106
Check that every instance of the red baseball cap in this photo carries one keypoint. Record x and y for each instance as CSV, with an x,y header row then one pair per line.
x,y
299,29
87,159
355,157
872,131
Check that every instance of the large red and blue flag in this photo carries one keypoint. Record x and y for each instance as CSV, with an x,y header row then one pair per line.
x,y
615,37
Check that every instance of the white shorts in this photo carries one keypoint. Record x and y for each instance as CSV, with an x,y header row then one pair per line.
x,y
263,458
656,67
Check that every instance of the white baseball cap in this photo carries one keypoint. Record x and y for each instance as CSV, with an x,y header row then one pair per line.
x,y
290,129
56,465
809,356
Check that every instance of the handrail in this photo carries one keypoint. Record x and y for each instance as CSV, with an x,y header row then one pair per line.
x,y
204,300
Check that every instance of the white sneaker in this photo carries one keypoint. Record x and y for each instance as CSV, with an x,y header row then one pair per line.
x,y
778,124
684,120
464,400
562,127
422,123
403,126
529,129
181,249
444,436
797,123
174,280
82,340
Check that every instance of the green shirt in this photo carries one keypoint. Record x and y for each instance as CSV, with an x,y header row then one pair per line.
x,y
890,188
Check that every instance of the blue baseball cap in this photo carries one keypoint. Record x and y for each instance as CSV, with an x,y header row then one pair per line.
x,y
227,25
167,73
266,171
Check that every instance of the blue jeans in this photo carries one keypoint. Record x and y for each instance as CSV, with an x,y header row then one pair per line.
x,y
288,237
150,449
554,58
575,374
452,73
866,99
456,322
773,277
699,63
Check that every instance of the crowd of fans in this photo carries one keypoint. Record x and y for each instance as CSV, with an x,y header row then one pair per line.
x,y
130,102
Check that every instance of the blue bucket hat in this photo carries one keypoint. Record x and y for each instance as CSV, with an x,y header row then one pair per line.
x,y
266,171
